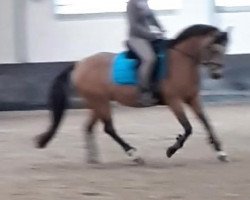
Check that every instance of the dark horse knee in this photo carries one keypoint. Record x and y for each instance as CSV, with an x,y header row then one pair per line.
x,y
188,131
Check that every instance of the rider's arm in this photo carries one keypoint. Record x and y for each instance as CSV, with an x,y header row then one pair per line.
x,y
155,22
142,32
150,15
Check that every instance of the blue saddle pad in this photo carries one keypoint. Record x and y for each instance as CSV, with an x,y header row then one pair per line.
x,y
124,69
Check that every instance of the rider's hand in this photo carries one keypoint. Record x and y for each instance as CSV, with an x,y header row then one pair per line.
x,y
163,30
159,36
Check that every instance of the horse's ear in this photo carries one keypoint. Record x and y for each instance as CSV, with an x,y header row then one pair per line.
x,y
221,38
224,35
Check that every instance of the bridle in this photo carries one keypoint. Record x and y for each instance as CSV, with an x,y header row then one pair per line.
x,y
212,63
195,60
208,48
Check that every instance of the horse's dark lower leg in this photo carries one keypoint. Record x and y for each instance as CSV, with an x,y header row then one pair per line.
x,y
197,108
104,113
213,139
180,140
109,129
130,151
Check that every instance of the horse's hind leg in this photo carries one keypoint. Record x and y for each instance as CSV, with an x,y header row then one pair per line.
x,y
104,113
91,146
176,106
130,151
213,139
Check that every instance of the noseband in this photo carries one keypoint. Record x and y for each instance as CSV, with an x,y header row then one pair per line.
x,y
212,63
195,60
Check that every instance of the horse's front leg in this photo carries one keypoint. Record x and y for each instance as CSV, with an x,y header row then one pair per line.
x,y
195,104
177,108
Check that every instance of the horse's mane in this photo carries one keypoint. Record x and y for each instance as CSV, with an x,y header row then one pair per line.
x,y
192,31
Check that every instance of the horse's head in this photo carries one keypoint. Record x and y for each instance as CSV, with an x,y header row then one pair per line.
x,y
215,53
203,44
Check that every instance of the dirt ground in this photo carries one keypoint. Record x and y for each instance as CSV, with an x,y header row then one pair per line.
x,y
60,171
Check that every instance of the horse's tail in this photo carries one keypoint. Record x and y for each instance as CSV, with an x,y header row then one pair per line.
x,y
57,102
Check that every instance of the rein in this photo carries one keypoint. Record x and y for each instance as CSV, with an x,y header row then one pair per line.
x,y
186,54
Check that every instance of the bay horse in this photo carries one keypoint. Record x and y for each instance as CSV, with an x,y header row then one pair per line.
x,y
196,45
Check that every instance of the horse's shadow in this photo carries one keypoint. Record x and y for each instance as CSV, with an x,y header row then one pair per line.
x,y
158,164
127,165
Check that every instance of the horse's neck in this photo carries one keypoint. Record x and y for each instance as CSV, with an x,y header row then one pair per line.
x,y
192,47
187,69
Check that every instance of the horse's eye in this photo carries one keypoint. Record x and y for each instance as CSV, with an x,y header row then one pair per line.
x,y
214,50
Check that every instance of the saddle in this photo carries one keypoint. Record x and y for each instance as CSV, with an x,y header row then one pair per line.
x,y
125,65
158,46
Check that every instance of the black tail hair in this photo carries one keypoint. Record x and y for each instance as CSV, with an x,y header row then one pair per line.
x,y
58,102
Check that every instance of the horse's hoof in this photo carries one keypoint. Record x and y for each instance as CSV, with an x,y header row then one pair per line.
x,y
171,151
139,161
222,156
93,158
134,156
93,161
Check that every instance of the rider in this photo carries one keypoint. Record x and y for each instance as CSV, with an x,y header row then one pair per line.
x,y
141,20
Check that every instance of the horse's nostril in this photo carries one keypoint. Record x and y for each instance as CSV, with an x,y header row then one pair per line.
x,y
216,76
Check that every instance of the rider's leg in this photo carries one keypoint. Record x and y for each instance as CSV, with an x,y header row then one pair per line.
x,y
146,54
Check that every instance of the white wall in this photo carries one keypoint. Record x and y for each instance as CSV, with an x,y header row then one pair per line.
x,y
53,39
240,37
7,50
43,37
